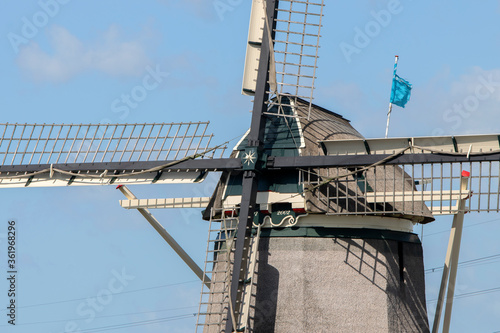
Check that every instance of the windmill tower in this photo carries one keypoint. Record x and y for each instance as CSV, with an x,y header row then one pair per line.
x,y
310,224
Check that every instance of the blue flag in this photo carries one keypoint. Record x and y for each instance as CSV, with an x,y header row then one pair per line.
x,y
401,91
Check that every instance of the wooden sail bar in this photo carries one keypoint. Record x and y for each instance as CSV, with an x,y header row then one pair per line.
x,y
460,144
450,196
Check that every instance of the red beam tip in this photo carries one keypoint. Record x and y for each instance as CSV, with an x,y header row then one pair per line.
x,y
465,173
119,186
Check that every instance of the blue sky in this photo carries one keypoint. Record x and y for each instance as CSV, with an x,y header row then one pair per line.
x,y
76,64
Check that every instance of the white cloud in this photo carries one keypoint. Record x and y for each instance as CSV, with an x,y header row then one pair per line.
x,y
71,56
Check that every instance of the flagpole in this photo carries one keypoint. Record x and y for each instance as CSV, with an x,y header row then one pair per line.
x,y
390,104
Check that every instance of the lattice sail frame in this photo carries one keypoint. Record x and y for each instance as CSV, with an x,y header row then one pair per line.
x,y
296,44
44,148
419,190
214,302
421,187
26,144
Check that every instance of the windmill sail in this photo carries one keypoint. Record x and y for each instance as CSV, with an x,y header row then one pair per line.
x,y
296,44
294,50
97,154
432,175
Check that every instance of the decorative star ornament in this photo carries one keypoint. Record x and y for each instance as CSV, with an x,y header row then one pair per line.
x,y
249,158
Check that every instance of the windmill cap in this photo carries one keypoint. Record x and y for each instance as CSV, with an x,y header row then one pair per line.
x,y
465,173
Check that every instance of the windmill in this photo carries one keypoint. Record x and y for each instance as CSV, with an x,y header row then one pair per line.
x,y
311,223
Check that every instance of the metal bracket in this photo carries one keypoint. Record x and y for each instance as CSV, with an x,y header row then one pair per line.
x,y
28,182
200,177
367,147
71,180
157,177
455,145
